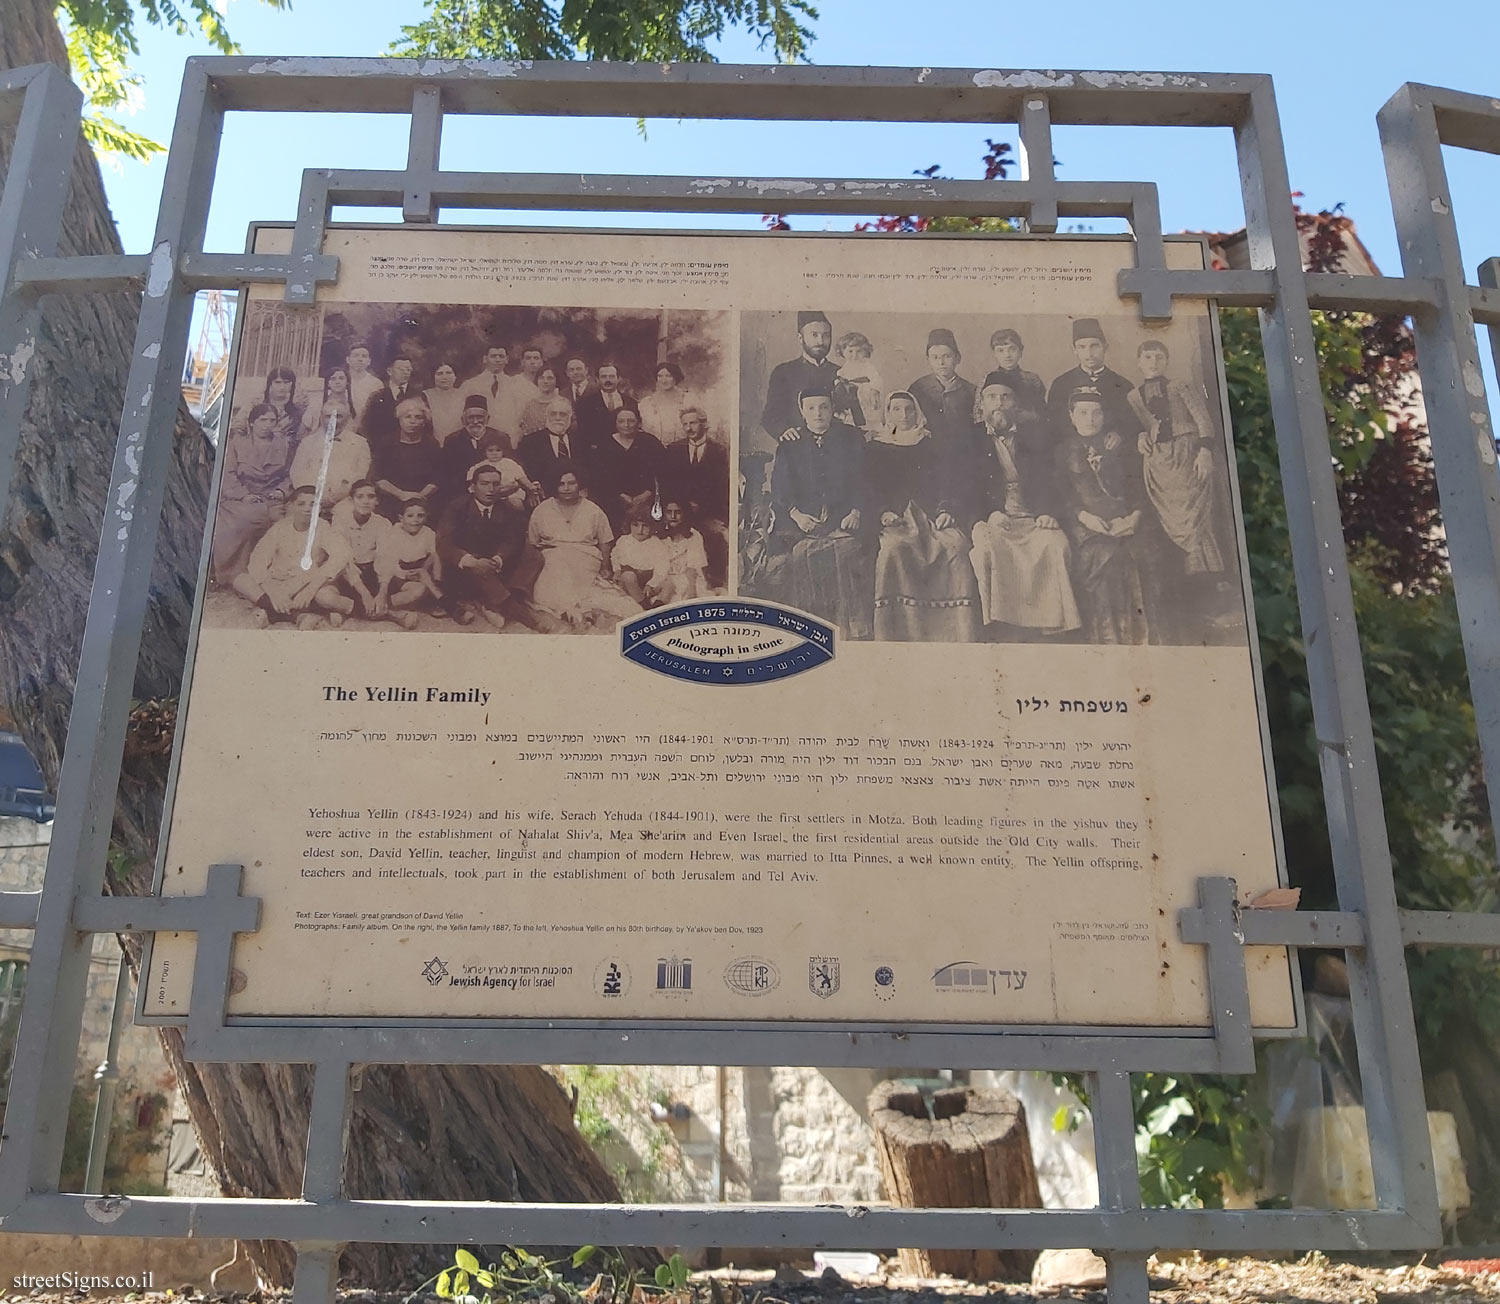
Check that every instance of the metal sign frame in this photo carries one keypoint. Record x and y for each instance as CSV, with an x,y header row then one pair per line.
x,y
1368,926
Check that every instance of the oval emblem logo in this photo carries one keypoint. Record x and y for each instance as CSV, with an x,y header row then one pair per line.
x,y
733,641
751,976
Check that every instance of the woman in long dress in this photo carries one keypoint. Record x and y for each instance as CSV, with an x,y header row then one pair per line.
x,y
924,582
336,396
661,410
1177,459
446,402
573,537
534,414
1105,515
252,491
281,390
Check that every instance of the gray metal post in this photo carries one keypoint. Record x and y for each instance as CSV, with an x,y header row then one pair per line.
x,y
1113,1110
422,151
31,207
1489,277
1384,1025
52,1010
1036,160
106,1079
1458,415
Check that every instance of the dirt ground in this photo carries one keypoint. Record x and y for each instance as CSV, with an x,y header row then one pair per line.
x,y
1188,1280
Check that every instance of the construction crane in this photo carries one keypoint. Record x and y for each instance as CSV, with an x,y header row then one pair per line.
x,y
208,363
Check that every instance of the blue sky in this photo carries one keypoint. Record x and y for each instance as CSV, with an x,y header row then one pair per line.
x,y
1333,70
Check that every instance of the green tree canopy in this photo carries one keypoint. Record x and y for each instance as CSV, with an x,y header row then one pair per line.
x,y
101,38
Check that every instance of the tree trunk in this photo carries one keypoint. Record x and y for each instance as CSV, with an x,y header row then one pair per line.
x,y
972,1153
422,1133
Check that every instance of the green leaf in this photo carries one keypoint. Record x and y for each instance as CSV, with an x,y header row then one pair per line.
x,y
663,1276
445,1285
485,1279
465,1260
583,1254
460,1284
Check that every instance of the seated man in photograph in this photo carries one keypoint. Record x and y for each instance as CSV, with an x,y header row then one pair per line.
x,y
378,421
480,545
277,583
542,451
465,447
1006,482
818,492
597,408
695,470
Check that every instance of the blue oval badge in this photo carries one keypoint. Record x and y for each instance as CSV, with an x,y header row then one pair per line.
x,y
733,641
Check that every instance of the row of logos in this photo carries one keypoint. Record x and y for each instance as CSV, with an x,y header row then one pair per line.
x,y
753,975
749,975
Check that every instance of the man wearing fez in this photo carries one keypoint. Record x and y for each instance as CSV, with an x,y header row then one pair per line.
x,y
481,546
1089,348
465,447
818,496
598,409
626,470
1007,493
811,367
945,397
695,471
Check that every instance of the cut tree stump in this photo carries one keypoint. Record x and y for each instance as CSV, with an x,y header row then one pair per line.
x,y
973,1153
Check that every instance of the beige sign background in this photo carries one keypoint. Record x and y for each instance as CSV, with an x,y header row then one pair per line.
x,y
516,825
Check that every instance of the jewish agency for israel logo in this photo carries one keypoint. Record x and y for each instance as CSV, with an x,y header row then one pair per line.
x,y
730,642
434,971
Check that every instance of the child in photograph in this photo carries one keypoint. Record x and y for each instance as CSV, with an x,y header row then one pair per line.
x,y
516,489
363,528
292,571
859,391
406,563
681,578
638,556
1029,388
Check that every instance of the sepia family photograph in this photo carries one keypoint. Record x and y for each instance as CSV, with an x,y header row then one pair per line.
x,y
1031,478
422,467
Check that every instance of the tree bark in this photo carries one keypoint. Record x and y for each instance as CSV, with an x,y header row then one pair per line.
x,y
974,1152
420,1133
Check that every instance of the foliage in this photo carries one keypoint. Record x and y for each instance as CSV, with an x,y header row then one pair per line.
x,y
129,1145
602,1094
652,31
101,37
521,1277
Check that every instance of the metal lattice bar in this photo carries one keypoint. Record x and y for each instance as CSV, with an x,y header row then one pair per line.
x,y
859,1227
1385,1027
31,207
52,1011
1367,925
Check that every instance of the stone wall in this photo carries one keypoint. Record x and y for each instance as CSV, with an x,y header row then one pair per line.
x,y
143,1096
